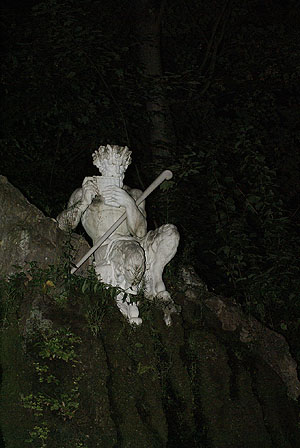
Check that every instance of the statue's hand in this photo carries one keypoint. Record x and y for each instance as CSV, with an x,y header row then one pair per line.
x,y
116,196
89,190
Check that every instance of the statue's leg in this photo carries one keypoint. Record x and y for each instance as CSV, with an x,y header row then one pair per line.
x,y
122,264
128,309
134,262
160,246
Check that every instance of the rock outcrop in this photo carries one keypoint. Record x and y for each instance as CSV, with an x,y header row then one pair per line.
x,y
76,374
27,235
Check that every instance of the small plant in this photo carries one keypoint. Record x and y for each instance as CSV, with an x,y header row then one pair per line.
x,y
59,391
9,293
52,351
39,433
59,344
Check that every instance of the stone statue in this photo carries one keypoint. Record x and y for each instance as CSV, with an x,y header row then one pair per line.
x,y
131,258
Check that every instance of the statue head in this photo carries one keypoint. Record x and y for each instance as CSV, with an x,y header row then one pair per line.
x,y
112,160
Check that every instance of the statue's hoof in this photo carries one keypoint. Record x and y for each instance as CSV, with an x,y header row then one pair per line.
x,y
167,319
133,310
168,306
135,320
164,296
169,309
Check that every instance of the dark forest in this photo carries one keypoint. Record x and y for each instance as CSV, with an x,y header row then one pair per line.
x,y
209,89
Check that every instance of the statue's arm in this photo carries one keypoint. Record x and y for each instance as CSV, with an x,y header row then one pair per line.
x,y
78,203
70,217
136,215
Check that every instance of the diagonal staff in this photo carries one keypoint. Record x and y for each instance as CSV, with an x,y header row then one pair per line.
x,y
165,175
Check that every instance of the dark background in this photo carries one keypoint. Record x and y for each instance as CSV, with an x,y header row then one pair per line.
x,y
225,77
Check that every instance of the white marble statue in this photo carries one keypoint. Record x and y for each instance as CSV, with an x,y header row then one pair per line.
x,y
131,258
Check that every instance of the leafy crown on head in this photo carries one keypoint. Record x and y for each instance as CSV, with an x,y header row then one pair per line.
x,y
112,155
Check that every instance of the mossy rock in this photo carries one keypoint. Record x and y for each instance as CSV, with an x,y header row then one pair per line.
x,y
150,386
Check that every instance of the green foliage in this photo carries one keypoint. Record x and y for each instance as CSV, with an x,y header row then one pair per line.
x,y
58,284
54,358
53,350
238,224
39,433
255,243
58,344
101,298
9,304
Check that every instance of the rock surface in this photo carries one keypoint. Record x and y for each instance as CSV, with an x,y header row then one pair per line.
x,y
27,235
75,374
270,346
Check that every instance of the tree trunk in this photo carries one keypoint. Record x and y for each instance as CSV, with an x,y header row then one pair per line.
x,y
76,374
148,24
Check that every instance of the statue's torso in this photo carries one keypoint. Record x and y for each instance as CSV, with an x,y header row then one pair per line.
x,y
99,217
